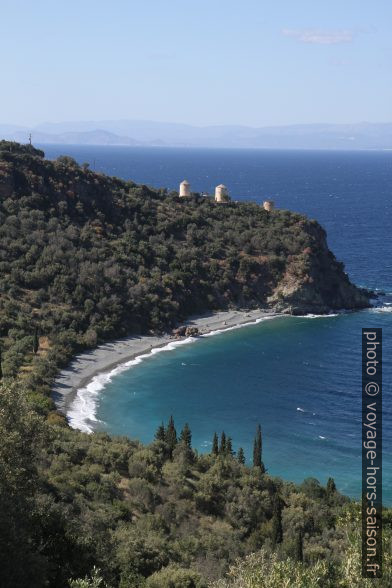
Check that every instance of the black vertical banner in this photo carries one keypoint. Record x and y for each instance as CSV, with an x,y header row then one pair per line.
x,y
371,453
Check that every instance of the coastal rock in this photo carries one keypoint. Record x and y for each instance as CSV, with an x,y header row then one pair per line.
x,y
179,332
191,332
185,331
315,282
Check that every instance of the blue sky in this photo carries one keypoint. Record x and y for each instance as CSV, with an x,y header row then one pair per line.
x,y
201,62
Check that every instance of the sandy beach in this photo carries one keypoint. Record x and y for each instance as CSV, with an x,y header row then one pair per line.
x,y
76,385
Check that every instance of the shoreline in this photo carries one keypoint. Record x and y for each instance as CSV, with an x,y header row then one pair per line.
x,y
76,388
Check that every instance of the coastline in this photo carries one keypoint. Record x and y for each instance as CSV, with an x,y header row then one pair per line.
x,y
76,388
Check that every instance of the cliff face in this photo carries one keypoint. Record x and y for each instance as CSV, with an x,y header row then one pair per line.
x,y
315,282
98,257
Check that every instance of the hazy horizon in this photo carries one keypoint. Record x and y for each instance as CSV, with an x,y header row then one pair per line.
x,y
153,133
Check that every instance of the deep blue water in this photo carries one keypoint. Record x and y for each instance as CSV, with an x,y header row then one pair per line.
x,y
265,373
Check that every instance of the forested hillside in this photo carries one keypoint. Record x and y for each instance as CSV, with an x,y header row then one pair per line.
x,y
124,515
85,258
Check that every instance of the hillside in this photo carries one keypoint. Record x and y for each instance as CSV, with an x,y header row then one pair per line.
x,y
86,258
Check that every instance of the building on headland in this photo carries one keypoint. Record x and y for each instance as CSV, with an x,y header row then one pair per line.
x,y
185,189
221,194
268,205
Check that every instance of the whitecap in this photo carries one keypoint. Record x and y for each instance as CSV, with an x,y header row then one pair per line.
x,y
82,410
384,308
240,326
81,413
314,316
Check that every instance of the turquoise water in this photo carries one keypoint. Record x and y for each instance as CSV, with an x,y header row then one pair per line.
x,y
299,377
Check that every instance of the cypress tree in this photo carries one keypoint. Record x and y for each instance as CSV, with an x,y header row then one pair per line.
x,y
229,446
35,341
186,436
160,434
171,436
256,455
331,487
222,447
258,450
277,529
215,447
311,525
241,456
299,547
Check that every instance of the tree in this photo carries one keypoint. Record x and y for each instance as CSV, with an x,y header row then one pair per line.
x,y
94,581
299,555
67,160
215,446
229,446
21,432
331,488
186,436
160,433
241,456
277,528
222,446
35,341
171,436
174,576
258,450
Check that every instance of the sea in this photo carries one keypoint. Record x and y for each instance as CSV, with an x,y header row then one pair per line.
x,y
299,377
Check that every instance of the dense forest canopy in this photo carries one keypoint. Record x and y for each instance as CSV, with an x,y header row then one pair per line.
x,y
85,258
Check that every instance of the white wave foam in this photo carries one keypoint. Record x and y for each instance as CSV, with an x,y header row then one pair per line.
x,y
300,409
82,412
314,316
240,326
321,437
386,307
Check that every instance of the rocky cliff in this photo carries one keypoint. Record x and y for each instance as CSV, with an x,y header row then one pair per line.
x,y
318,284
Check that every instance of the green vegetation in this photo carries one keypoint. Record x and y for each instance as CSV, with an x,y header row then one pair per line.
x,y
159,515
265,570
86,258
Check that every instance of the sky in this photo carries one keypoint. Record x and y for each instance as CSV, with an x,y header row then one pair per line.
x,y
201,62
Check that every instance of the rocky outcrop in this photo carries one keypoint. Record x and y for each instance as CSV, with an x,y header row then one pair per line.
x,y
315,282
185,331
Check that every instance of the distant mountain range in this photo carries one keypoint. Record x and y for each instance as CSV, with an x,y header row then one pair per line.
x,y
151,133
